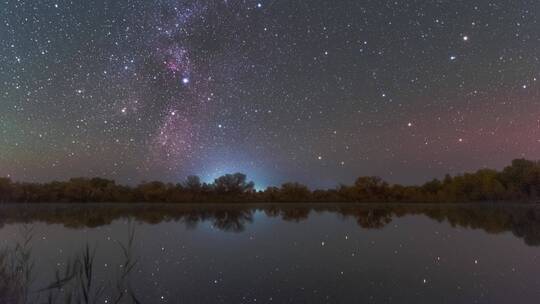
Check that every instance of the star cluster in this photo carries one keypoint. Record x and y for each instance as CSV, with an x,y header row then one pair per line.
x,y
314,91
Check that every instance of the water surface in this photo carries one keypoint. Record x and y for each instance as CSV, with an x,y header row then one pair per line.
x,y
285,253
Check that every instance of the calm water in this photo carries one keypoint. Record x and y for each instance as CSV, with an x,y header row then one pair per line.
x,y
283,253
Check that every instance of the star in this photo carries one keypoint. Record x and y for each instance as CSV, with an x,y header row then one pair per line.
x,y
173,88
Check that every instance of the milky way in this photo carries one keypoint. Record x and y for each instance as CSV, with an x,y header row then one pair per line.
x,y
314,91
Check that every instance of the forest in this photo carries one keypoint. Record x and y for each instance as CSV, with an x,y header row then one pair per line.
x,y
518,182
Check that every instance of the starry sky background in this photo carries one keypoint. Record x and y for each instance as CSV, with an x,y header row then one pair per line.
x,y
315,91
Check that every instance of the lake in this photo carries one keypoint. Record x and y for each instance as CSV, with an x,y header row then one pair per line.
x,y
270,253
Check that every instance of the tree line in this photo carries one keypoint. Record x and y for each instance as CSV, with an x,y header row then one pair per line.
x,y
519,181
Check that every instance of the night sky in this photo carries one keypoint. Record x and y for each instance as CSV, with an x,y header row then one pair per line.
x,y
313,91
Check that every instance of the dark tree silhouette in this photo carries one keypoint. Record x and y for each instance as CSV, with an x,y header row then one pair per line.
x,y
233,184
518,182
193,183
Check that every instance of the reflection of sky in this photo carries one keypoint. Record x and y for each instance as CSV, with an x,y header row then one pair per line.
x,y
260,222
324,258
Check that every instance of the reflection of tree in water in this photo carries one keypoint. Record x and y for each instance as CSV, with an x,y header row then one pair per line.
x,y
16,265
373,218
288,212
522,220
232,220
191,220
528,227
